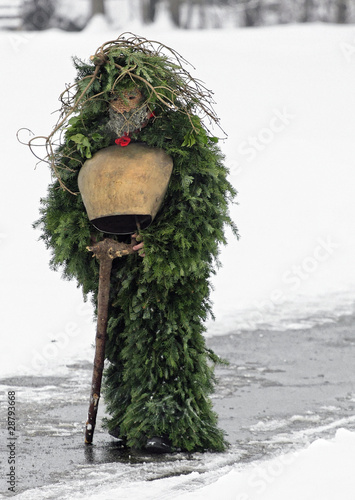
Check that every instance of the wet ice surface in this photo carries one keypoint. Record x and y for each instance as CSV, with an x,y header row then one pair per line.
x,y
53,459
298,313
280,391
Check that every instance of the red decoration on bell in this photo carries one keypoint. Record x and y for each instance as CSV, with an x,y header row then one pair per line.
x,y
123,141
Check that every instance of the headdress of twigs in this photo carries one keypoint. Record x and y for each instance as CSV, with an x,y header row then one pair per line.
x,y
129,60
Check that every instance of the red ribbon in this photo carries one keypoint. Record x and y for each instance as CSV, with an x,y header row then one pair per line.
x,y
123,141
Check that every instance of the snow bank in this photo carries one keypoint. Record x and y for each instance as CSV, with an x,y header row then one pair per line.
x,y
323,470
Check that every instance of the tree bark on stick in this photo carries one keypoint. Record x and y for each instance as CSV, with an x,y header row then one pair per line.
x,y
105,251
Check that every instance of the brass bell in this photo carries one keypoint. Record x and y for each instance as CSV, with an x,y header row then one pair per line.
x,y
123,187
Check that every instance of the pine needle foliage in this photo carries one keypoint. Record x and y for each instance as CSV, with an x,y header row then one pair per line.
x,y
160,373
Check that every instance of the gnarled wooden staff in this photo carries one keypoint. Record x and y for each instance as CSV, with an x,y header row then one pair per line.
x,y
105,251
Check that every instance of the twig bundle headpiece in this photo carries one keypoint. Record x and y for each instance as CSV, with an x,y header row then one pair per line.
x,y
128,68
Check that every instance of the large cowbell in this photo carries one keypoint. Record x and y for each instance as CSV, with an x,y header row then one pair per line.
x,y
123,187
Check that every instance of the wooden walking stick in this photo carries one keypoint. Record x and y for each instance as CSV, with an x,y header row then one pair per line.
x,y
105,251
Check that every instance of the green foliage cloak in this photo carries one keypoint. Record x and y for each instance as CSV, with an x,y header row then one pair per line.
x,y
160,372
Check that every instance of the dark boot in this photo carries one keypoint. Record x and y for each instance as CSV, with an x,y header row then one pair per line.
x,y
116,434
158,445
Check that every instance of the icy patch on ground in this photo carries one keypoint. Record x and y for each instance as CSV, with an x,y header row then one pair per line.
x,y
271,425
161,478
302,312
324,470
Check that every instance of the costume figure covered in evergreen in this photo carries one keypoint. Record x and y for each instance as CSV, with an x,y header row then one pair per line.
x,y
159,371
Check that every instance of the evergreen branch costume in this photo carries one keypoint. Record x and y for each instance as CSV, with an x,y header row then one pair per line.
x,y
160,373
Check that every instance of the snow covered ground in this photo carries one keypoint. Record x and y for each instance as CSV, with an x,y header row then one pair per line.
x,y
285,96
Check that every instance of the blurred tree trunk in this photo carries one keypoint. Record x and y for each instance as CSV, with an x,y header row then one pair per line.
x,y
286,14
252,13
97,7
189,13
149,8
175,11
201,12
307,11
342,11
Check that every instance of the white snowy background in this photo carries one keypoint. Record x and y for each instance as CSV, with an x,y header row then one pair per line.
x,y
286,99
